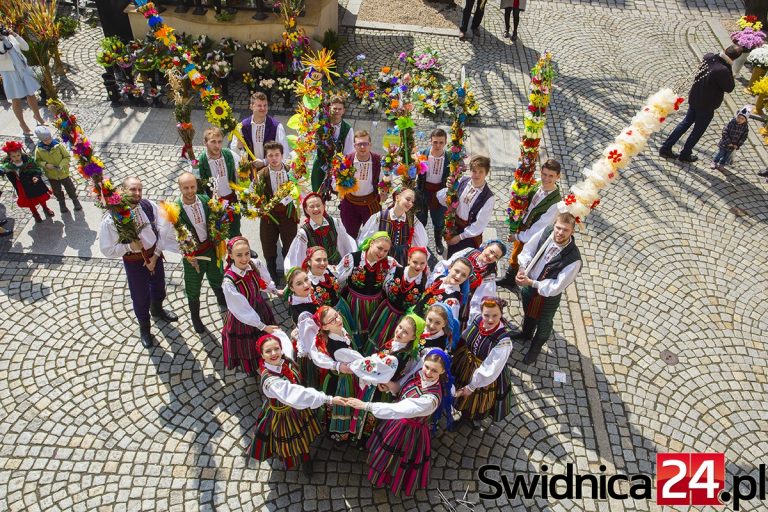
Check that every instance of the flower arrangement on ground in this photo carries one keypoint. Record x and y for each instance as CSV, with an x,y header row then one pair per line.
x,y
748,38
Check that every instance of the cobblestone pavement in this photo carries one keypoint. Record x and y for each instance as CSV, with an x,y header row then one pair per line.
x,y
91,421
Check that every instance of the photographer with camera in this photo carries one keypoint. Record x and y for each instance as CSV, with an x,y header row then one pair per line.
x,y
19,80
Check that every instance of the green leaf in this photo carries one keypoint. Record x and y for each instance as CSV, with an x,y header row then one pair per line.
x,y
294,122
403,123
311,102
293,140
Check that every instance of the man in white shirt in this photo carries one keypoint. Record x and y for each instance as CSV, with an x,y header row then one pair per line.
x,y
357,208
430,183
217,164
259,128
343,142
474,210
142,259
549,263
541,211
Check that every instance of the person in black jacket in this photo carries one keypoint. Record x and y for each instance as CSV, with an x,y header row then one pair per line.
x,y
714,79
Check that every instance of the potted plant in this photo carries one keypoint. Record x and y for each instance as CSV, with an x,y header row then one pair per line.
x,y
761,89
749,37
758,58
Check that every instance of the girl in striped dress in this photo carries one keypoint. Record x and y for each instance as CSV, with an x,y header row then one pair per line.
x,y
286,426
480,365
404,346
450,287
402,289
248,314
400,447
301,301
325,285
331,348
364,273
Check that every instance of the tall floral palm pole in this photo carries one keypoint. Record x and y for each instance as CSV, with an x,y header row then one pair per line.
x,y
585,195
35,20
542,76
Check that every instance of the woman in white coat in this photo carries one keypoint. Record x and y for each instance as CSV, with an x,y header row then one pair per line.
x,y
19,80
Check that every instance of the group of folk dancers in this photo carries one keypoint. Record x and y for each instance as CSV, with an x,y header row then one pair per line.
x,y
382,347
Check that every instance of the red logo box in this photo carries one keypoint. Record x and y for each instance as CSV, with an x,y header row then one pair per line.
x,y
689,478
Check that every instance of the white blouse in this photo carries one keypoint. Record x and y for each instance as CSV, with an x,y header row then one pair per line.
x,y
419,407
237,304
343,355
492,365
371,226
298,250
293,395
466,201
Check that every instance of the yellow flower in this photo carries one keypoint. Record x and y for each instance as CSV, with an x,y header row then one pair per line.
x,y
218,112
170,211
321,61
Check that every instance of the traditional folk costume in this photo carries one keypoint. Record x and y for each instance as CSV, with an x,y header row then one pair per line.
x,y
248,313
482,282
224,171
404,231
302,310
364,283
480,364
541,212
400,448
357,208
552,268
147,288
427,187
286,426
326,290
343,142
329,355
452,295
282,222
57,155
256,134
400,293
442,339
331,235
472,215
29,194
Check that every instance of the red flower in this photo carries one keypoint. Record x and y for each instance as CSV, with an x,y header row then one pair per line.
x,y
661,119
569,199
594,205
629,132
614,156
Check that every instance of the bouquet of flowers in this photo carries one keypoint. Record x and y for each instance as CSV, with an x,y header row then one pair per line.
x,y
229,46
759,57
748,38
256,48
267,83
249,81
258,63
216,63
343,170
112,48
285,85
219,220
390,162
170,211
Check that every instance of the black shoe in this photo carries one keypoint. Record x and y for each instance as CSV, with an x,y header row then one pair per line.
x,y
667,153
4,221
37,217
519,335
688,158
220,299
194,311
157,311
6,232
508,281
763,174
506,34
307,468
514,36
145,335
48,212
254,255
477,425
439,247
530,358
78,206
63,207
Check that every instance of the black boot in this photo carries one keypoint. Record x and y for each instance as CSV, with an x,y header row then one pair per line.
x,y
78,206
194,311
508,281
439,243
157,311
145,335
272,268
220,300
63,206
307,468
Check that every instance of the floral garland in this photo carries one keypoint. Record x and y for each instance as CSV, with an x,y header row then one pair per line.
x,y
219,220
170,210
252,202
585,195
542,76
343,170
460,101
390,162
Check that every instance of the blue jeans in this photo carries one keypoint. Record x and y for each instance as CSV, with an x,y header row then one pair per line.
x,y
722,156
700,120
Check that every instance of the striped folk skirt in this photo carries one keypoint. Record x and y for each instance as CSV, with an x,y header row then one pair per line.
x,y
338,418
239,340
399,455
284,432
362,308
383,324
492,400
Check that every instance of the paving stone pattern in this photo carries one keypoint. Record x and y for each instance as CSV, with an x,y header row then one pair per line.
x,y
91,421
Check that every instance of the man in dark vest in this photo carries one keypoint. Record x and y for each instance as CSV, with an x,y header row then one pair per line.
x,y
431,182
258,129
714,79
541,211
142,259
357,208
475,207
343,142
549,263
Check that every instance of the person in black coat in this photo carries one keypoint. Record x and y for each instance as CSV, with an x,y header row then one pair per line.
x,y
714,79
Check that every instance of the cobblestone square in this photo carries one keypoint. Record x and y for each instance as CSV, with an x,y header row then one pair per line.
x,y
90,420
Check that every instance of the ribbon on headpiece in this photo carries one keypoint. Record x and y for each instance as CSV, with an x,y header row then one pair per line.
x,y
376,236
446,404
230,244
417,249
12,145
288,277
310,251
307,198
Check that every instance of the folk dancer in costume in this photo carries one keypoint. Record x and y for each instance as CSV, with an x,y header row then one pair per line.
x,y
319,229
364,273
404,230
53,157
193,218
286,426
402,289
302,305
480,366
357,208
430,183
218,164
332,350
343,142
548,265
400,447
475,208
282,222
404,347
27,179
258,129
325,284
541,212
248,315
142,259
442,329
450,287
483,282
